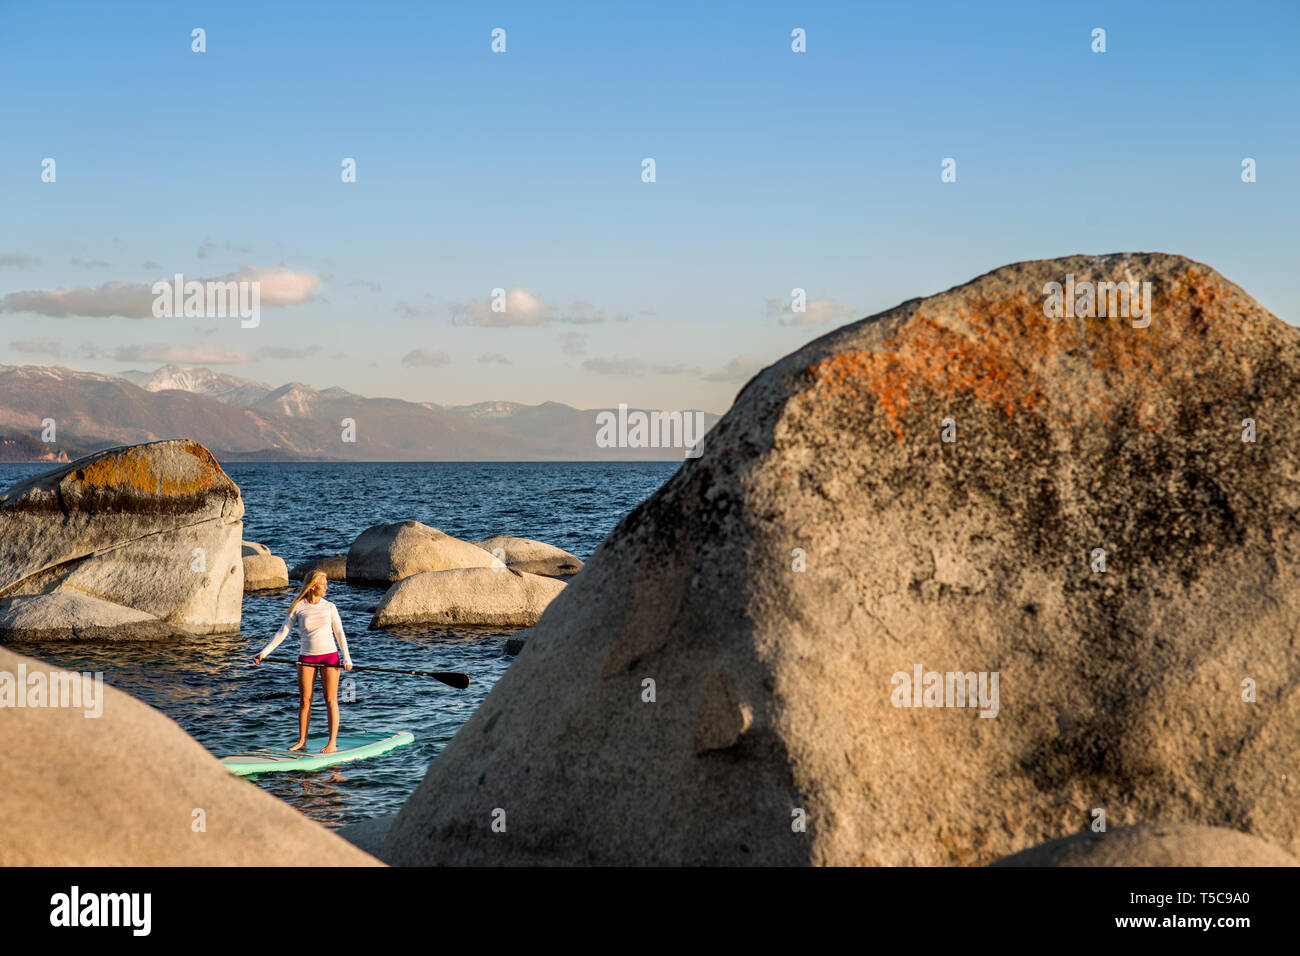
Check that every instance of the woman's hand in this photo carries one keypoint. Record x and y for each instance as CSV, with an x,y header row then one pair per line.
x,y
257,659
347,667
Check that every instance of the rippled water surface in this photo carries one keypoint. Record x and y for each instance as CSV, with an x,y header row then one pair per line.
x,y
210,687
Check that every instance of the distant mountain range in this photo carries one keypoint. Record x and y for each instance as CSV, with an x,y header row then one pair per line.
x,y
240,419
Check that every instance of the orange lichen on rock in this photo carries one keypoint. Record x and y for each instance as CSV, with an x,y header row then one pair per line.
x,y
998,351
134,468
925,354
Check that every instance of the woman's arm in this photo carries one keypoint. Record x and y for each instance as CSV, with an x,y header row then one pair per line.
x,y
280,635
337,623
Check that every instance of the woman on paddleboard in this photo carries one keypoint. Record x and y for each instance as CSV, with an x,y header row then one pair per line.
x,y
319,627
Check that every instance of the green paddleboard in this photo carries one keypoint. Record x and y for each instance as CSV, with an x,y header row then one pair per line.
x,y
351,747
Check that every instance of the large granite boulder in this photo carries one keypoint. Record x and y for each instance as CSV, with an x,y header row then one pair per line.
x,y
265,572
725,681
112,782
335,567
153,527
69,616
534,557
472,597
389,552
1152,844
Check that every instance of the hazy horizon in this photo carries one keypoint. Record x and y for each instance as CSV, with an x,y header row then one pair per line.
x,y
272,386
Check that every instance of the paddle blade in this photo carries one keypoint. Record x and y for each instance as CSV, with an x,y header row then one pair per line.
x,y
459,681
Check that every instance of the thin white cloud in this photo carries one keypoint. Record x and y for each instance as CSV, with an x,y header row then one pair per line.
x,y
493,358
134,300
583,313
738,370
816,312
279,286
615,366
180,354
575,343
521,307
16,260
425,358
209,247
129,300
632,366
38,347
282,352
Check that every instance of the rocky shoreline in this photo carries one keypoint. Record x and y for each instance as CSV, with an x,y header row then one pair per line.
x,y
145,542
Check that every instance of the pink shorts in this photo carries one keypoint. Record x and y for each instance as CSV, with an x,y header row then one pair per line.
x,y
319,658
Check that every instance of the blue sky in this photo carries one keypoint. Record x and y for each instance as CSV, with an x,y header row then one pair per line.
x,y
522,170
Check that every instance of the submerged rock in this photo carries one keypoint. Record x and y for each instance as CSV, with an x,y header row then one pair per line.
x,y
389,552
535,557
473,597
1154,844
1113,530
153,527
112,782
335,567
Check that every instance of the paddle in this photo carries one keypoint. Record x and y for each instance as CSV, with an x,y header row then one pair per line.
x,y
451,678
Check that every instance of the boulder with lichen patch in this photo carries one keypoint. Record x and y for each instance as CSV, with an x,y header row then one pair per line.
x,y
1102,511
153,527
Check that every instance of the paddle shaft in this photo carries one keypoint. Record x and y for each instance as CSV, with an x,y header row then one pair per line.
x,y
451,678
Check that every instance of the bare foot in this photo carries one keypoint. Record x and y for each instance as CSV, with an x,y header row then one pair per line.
x,y
329,749
299,745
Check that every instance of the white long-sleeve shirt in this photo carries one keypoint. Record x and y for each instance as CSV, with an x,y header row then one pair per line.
x,y
318,626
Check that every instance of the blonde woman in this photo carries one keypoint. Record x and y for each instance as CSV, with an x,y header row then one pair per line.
x,y
319,627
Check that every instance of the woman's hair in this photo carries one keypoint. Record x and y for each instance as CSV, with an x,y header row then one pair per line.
x,y
313,578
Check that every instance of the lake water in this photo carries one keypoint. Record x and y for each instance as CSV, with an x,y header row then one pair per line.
x,y
209,686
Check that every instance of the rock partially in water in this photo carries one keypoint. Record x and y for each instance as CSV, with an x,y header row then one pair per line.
x,y
535,557
335,567
265,572
1113,530
471,597
69,616
1154,844
250,549
153,527
389,552
128,787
